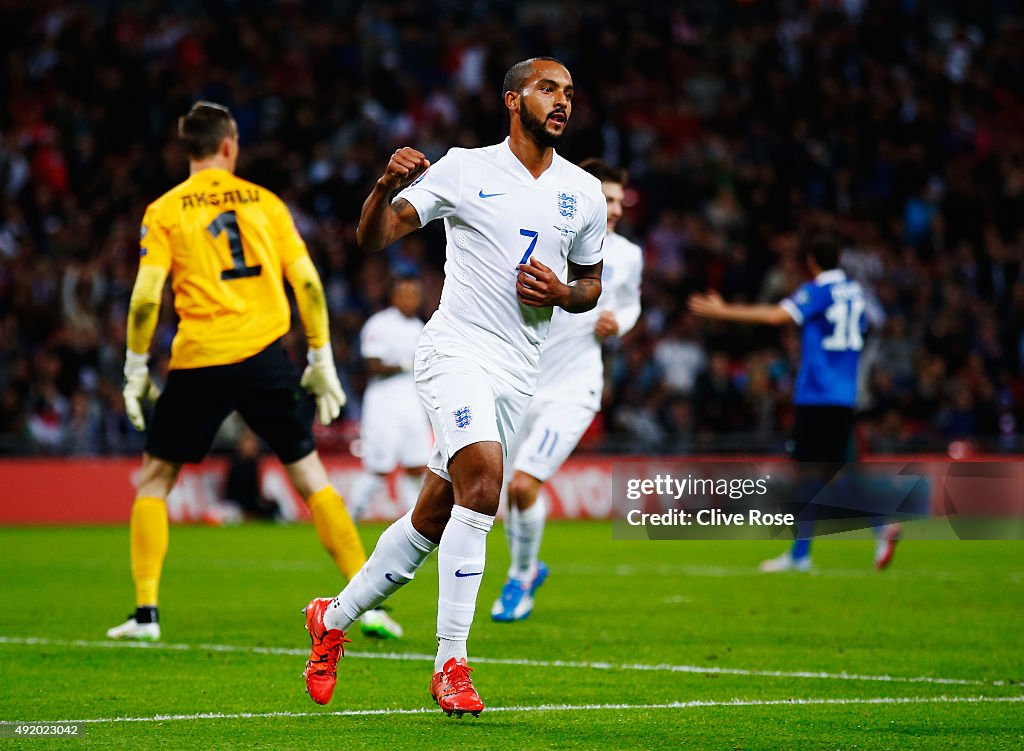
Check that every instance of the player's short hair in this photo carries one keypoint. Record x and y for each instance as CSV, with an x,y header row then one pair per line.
x,y
204,128
605,172
824,249
516,76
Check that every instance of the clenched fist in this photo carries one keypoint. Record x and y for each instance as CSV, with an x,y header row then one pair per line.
x,y
406,165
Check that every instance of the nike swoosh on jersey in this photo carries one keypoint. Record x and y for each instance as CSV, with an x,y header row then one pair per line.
x,y
490,195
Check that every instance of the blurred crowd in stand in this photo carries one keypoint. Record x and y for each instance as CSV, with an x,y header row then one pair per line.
x,y
898,124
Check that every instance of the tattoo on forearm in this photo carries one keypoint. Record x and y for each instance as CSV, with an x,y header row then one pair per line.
x,y
584,287
400,205
583,294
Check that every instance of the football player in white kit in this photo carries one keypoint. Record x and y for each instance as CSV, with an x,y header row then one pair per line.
x,y
518,219
567,398
394,429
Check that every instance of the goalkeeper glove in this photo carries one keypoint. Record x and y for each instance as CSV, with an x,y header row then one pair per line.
x,y
320,378
137,386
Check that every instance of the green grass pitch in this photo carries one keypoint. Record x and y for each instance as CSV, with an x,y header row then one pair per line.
x,y
633,645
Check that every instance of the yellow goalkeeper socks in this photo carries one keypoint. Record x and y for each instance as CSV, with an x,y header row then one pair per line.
x,y
148,530
336,530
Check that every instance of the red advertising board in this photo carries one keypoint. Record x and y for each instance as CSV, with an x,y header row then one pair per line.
x,y
99,491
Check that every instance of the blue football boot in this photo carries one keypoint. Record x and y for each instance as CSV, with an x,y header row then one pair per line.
x,y
516,600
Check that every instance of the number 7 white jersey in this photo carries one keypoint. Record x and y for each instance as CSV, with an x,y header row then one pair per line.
x,y
497,216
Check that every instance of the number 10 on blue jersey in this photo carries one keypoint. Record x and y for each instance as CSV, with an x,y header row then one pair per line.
x,y
845,315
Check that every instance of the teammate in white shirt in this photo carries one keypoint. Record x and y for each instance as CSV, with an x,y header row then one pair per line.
x,y
567,398
518,219
394,429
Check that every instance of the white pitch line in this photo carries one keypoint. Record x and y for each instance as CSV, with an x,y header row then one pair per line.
x,y
419,657
548,708
629,569
748,572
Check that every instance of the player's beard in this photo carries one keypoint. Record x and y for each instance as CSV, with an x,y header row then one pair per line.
x,y
537,130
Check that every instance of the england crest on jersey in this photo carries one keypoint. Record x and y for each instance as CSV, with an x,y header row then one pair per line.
x,y
567,204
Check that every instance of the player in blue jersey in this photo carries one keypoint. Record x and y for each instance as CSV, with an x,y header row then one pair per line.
x,y
830,312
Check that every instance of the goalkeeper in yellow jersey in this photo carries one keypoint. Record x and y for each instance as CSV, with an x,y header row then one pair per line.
x,y
228,245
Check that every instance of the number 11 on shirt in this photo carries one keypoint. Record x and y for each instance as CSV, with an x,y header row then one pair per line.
x,y
533,234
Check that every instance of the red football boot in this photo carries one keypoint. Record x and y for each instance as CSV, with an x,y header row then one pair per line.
x,y
885,548
453,690
321,671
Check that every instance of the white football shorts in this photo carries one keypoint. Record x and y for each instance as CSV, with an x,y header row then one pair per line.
x,y
549,433
466,404
394,432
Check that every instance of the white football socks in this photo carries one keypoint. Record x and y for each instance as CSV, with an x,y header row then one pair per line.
x,y
400,551
512,537
525,533
460,567
366,488
447,649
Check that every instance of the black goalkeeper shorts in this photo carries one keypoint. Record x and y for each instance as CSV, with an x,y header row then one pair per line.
x,y
263,388
823,434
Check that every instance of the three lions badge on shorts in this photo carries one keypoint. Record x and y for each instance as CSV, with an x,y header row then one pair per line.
x,y
463,417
